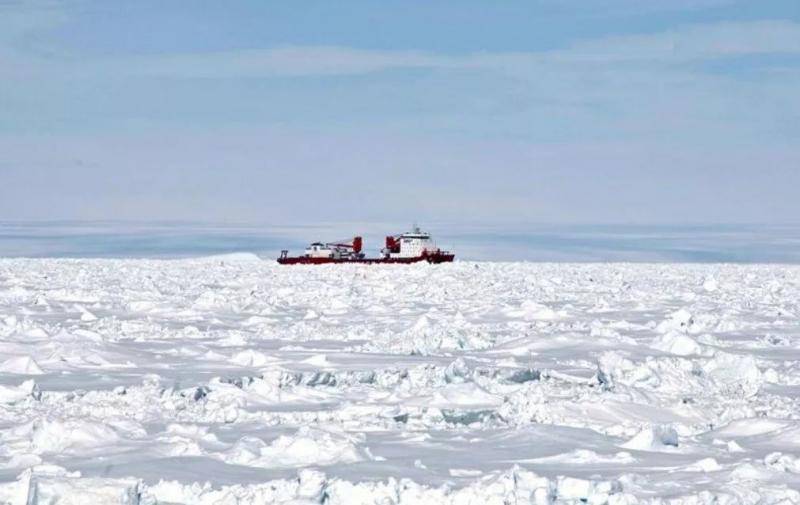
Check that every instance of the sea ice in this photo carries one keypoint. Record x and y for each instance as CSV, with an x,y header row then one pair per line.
x,y
234,380
23,365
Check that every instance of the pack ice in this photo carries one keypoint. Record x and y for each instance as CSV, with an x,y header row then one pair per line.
x,y
232,380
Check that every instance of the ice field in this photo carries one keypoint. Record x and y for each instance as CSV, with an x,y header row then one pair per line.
x,y
233,380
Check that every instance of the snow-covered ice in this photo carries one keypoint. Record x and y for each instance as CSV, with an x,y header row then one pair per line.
x,y
232,380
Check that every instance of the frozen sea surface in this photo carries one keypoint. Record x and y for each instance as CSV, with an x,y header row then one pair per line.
x,y
233,380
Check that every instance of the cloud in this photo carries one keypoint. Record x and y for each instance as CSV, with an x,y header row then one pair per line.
x,y
21,18
23,54
688,43
272,174
286,61
654,87
633,127
693,42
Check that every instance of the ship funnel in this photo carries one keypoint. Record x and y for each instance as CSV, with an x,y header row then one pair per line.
x,y
392,244
357,243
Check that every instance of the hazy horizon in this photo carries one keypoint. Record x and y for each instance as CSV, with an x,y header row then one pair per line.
x,y
736,243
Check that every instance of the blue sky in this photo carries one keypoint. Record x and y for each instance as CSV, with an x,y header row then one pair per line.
x,y
470,112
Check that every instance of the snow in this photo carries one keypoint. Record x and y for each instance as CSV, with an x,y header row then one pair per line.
x,y
13,394
654,438
77,491
233,380
678,344
251,358
23,365
307,447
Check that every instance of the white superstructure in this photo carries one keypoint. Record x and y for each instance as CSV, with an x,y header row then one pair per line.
x,y
414,244
319,250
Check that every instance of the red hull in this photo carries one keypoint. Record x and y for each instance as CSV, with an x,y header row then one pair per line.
x,y
441,257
